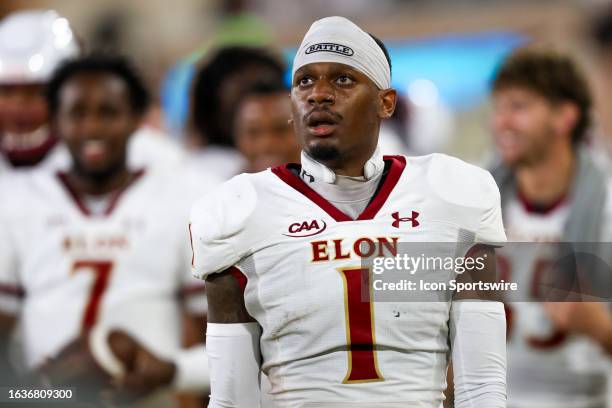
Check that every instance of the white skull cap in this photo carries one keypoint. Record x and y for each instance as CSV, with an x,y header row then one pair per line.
x,y
338,39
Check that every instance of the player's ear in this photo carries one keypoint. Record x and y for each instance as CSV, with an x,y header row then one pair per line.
x,y
136,121
387,100
567,118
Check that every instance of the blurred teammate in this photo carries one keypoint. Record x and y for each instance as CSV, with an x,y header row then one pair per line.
x,y
94,260
551,191
599,35
33,44
217,86
299,291
261,128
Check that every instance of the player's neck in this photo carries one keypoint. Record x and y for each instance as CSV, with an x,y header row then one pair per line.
x,y
356,168
550,178
352,165
97,186
346,167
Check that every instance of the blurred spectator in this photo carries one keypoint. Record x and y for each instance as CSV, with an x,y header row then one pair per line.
x,y
261,128
551,191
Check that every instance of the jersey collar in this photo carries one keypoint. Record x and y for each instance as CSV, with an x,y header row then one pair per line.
x,y
313,171
80,202
395,164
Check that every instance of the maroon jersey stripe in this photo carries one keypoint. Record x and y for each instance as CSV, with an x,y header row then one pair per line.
x,y
240,277
11,290
76,196
398,164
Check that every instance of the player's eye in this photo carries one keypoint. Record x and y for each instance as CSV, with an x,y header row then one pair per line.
x,y
518,105
304,81
75,113
345,80
109,112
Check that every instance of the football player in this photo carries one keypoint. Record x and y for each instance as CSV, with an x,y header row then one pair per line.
x,y
33,43
217,86
551,192
285,299
261,128
94,260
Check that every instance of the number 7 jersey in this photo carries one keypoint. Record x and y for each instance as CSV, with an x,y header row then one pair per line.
x,y
64,269
321,345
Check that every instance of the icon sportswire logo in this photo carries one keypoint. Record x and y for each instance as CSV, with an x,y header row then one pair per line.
x,y
412,219
330,47
305,228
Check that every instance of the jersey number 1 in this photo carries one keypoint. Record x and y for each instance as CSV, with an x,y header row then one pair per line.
x,y
102,271
360,336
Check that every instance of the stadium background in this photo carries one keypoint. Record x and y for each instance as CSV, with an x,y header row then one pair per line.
x,y
444,52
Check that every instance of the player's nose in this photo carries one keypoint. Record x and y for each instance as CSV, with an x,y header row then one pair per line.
x,y
92,126
268,144
500,120
322,92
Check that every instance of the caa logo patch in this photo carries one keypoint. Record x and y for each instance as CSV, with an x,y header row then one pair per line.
x,y
330,47
306,228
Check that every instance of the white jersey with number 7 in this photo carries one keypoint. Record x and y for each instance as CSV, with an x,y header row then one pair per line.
x,y
64,269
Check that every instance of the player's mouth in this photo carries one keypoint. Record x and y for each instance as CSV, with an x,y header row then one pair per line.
x,y
322,123
507,141
94,150
24,141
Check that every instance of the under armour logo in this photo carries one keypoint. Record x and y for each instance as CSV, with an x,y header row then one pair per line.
x,y
304,175
412,219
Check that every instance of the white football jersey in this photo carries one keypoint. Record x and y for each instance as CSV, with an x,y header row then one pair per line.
x,y
64,269
150,147
546,367
220,162
321,345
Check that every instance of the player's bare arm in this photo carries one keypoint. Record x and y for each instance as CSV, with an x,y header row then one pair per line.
x,y
232,340
486,274
225,300
6,325
592,319
7,322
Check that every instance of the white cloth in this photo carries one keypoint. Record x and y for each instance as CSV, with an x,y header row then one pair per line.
x,y
337,39
233,355
478,342
192,372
